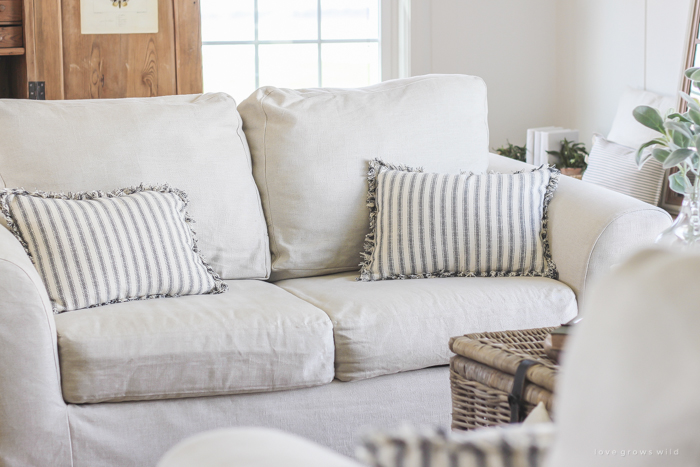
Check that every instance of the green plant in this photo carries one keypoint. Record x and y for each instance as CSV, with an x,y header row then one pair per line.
x,y
572,155
679,141
512,151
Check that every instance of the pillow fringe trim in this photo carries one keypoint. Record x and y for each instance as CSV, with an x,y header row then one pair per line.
x,y
219,285
377,165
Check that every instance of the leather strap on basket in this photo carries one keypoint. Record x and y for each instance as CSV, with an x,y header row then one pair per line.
x,y
515,398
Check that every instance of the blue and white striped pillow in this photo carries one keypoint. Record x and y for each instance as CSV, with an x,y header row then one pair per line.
x,y
511,445
97,248
437,225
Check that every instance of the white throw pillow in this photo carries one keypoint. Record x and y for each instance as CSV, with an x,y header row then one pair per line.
x,y
310,150
628,390
628,131
613,166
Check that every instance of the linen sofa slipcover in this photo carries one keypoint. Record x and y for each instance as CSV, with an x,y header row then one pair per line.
x,y
390,326
194,143
311,150
251,447
253,338
590,229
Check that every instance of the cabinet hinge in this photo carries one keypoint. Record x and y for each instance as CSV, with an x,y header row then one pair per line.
x,y
37,90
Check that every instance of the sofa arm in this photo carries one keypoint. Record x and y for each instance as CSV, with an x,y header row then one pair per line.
x,y
252,446
592,228
33,415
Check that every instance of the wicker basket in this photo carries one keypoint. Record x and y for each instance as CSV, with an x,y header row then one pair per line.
x,y
482,375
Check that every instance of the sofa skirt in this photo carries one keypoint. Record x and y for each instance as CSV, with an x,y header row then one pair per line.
x,y
139,433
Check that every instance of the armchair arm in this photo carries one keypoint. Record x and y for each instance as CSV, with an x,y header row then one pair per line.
x,y
592,228
33,415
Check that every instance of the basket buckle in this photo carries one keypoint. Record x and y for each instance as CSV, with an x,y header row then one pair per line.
x,y
515,398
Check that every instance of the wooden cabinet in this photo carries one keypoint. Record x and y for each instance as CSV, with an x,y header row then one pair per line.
x,y
11,37
10,12
72,65
12,47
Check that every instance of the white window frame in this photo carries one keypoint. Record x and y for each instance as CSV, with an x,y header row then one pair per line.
x,y
395,41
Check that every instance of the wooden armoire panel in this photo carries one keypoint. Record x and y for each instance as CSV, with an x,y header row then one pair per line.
x,y
43,43
77,66
188,46
118,65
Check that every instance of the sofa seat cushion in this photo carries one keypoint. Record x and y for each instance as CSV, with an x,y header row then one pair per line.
x,y
254,338
390,326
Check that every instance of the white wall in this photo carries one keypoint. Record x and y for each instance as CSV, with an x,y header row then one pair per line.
x,y
606,45
511,44
552,62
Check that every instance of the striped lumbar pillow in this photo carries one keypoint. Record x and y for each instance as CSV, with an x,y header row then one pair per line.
x,y
514,445
98,248
613,166
434,225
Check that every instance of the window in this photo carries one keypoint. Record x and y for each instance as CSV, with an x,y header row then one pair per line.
x,y
289,43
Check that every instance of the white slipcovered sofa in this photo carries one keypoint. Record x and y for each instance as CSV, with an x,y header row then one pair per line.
x,y
296,343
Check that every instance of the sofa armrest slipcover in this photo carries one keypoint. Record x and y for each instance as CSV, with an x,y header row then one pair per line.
x,y
592,228
254,447
33,416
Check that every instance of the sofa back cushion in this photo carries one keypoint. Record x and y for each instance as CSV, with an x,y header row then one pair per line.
x,y
194,143
311,150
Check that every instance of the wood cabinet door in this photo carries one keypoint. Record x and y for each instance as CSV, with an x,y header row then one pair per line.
x,y
92,66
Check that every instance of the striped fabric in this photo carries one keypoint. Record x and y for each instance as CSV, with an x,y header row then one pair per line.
x,y
514,445
613,166
434,225
98,248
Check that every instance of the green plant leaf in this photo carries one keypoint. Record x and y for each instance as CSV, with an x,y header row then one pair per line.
x,y
690,71
660,154
677,156
680,117
512,151
679,183
694,115
694,75
679,139
682,128
680,133
573,155
649,117
640,158
692,102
